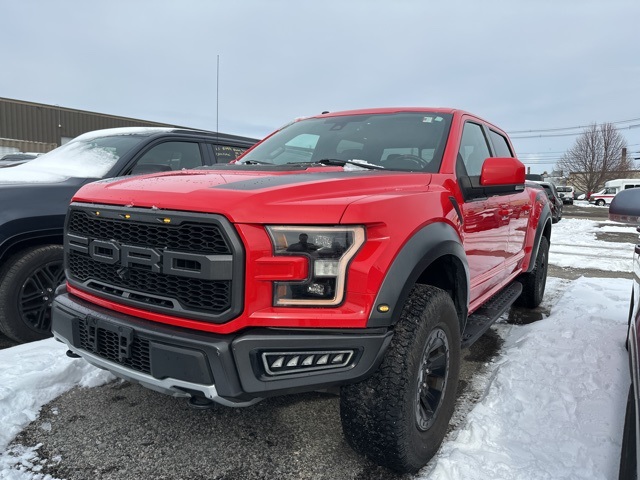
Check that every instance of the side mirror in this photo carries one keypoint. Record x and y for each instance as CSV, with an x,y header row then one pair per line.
x,y
502,171
625,206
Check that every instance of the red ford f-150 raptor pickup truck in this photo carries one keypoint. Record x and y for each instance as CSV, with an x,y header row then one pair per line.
x,y
361,249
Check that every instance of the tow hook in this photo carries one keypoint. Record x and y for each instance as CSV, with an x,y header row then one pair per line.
x,y
201,403
71,354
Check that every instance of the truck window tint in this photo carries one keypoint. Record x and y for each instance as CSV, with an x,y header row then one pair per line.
x,y
473,148
500,145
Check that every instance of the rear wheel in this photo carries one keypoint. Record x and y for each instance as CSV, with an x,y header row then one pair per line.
x,y
600,203
534,282
27,284
399,416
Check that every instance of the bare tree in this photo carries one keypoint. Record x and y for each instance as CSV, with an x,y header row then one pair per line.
x,y
596,157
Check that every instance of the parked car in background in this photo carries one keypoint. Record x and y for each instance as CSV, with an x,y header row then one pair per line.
x,y
35,196
611,189
554,199
13,159
625,207
567,194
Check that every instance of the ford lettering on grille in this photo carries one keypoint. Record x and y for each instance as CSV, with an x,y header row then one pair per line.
x,y
156,260
185,264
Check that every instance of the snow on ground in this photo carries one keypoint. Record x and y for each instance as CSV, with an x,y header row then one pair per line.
x,y
574,245
32,375
555,405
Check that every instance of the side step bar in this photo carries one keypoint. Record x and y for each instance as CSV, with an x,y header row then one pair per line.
x,y
480,321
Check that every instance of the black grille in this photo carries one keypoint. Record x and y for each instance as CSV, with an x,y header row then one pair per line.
x,y
193,266
107,346
192,293
187,237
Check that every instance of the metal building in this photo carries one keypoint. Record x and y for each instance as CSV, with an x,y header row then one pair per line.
x,y
37,127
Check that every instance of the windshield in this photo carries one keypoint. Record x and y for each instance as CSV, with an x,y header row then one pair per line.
x,y
84,158
411,141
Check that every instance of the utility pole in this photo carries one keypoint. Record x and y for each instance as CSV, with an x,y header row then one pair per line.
x,y
217,92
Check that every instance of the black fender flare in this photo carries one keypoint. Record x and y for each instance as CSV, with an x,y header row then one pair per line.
x,y
423,248
545,218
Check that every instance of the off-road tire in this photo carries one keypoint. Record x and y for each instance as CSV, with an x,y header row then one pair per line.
x,y
534,282
27,282
381,415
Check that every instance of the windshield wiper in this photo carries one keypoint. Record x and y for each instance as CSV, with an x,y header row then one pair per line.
x,y
253,162
339,162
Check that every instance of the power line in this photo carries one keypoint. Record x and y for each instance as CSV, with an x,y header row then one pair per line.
x,y
628,127
568,128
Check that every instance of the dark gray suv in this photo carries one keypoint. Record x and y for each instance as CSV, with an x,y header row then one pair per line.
x,y
35,196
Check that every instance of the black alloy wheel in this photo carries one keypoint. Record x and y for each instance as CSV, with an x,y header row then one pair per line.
x,y
36,296
28,281
432,379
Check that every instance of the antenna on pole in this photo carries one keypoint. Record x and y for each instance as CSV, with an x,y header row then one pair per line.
x,y
217,94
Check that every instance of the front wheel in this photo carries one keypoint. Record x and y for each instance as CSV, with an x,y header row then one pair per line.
x,y
399,416
27,283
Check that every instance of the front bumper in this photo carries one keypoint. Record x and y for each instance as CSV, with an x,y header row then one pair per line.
x,y
233,370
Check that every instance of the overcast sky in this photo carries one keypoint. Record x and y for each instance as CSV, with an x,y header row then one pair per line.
x,y
522,65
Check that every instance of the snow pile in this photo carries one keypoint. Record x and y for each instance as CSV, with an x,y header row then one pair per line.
x,y
574,245
555,407
32,375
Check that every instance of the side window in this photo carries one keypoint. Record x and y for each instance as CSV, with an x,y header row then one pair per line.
x,y
225,153
172,156
473,148
500,144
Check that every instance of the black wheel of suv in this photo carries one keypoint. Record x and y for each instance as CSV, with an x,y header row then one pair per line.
x,y
534,282
27,283
399,416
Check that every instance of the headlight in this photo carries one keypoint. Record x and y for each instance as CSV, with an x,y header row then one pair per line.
x,y
329,250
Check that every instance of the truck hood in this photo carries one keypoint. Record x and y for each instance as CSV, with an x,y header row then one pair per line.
x,y
317,194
